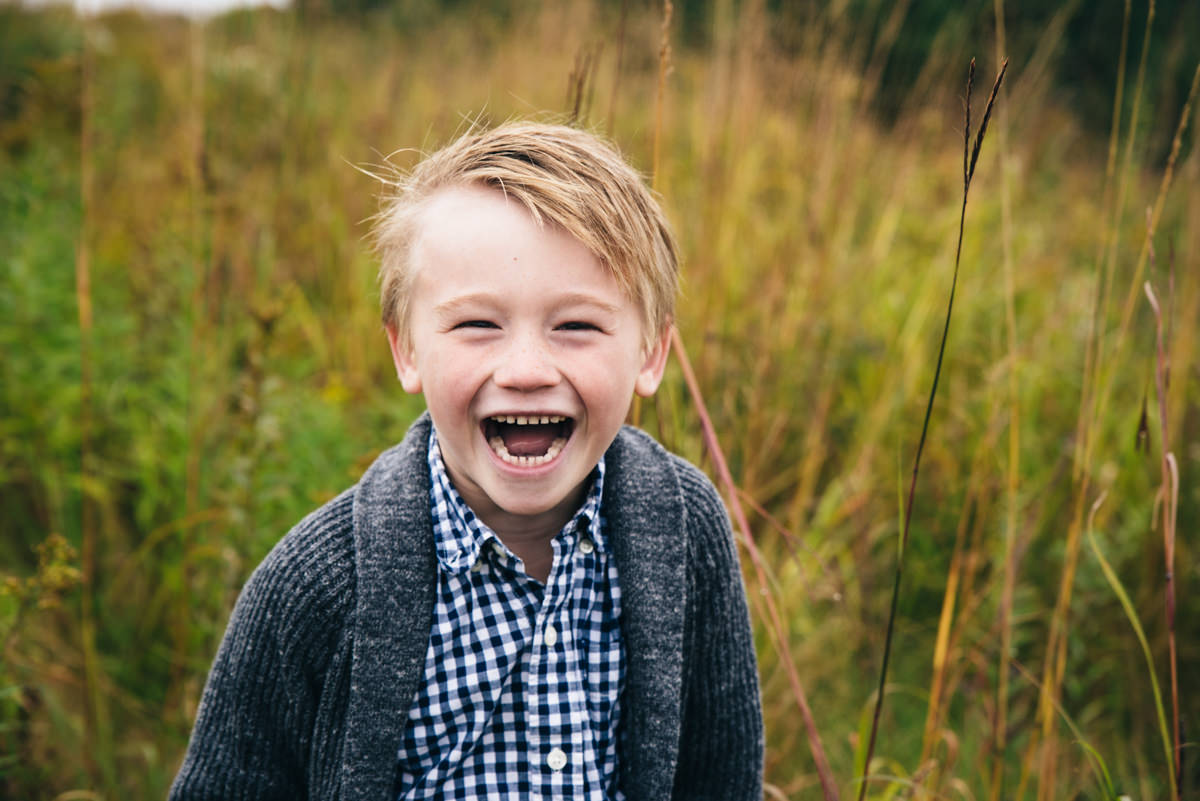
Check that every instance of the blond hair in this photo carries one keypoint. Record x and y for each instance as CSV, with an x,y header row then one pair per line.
x,y
569,177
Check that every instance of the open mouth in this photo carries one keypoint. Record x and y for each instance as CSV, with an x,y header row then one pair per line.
x,y
527,440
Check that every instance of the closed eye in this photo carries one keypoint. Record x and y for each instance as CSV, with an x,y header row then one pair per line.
x,y
578,325
476,324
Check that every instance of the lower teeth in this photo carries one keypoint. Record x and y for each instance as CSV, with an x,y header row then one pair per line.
x,y
498,446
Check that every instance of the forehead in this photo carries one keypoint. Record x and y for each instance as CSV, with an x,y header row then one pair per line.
x,y
479,232
467,213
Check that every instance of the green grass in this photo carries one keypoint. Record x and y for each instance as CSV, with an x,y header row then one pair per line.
x,y
238,374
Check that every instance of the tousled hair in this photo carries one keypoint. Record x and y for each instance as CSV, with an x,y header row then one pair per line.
x,y
562,176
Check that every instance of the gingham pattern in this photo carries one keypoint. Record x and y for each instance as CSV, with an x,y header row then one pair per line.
x,y
502,704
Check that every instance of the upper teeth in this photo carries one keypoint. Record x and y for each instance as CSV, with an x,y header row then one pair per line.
x,y
528,420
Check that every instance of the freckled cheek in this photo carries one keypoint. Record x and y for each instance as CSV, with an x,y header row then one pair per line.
x,y
604,398
453,389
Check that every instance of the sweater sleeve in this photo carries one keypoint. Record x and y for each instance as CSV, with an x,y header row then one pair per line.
x,y
721,741
255,726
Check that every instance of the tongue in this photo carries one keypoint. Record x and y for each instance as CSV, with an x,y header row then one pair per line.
x,y
532,440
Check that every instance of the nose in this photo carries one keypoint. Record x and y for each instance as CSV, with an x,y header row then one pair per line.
x,y
526,364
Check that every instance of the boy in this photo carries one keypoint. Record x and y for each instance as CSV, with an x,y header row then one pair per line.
x,y
523,599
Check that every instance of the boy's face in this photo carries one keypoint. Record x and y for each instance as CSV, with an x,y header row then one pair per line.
x,y
528,354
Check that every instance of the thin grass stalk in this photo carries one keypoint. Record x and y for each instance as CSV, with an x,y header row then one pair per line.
x,y
775,622
1056,642
1156,213
660,98
581,83
881,51
194,161
181,619
1097,762
1056,650
1119,208
961,575
1056,645
1054,664
1173,513
1115,133
999,739
941,646
790,540
1169,506
1048,700
1119,589
616,84
1108,265
1093,341
94,725
970,158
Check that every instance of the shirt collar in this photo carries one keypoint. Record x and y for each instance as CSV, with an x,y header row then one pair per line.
x,y
460,535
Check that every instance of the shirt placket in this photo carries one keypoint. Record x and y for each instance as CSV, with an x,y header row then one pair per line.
x,y
558,755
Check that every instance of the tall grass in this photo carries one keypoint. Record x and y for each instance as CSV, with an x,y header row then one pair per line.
x,y
231,373
970,160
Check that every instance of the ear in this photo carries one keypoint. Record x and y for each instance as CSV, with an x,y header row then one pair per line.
x,y
656,362
405,361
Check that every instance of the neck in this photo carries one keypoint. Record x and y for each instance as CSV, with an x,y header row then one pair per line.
x,y
533,546
531,537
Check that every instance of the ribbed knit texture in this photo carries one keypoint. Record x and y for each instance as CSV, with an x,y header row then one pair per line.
x,y
314,680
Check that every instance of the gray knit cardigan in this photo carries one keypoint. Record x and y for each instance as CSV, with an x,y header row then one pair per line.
x,y
312,685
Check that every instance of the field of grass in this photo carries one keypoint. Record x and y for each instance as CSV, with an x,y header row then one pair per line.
x,y
191,359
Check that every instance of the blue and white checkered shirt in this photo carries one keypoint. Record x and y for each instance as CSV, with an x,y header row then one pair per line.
x,y
522,688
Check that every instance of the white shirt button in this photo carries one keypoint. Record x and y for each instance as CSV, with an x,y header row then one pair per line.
x,y
550,636
586,546
498,549
556,759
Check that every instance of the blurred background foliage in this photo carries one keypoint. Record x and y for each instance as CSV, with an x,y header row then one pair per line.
x,y
899,39
191,358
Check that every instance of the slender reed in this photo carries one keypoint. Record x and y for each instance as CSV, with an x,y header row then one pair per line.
x,y
660,98
581,83
775,621
1054,664
790,540
956,597
1115,583
1056,649
181,618
941,649
828,785
1092,343
1159,200
1170,503
970,158
1103,777
94,722
999,738
612,99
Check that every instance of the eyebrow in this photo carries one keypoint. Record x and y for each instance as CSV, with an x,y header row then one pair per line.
x,y
569,299
458,304
583,299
